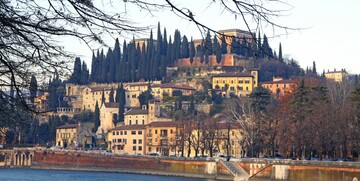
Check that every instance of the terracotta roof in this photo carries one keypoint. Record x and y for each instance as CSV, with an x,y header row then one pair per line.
x,y
137,111
67,126
280,82
239,74
112,104
129,127
177,86
164,124
97,89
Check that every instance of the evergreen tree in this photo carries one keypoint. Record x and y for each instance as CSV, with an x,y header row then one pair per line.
x,y
244,49
94,66
259,47
164,44
84,74
176,45
280,53
169,53
111,95
33,88
184,47
192,50
163,67
124,62
266,47
106,67
96,117
217,50
223,45
76,75
314,68
122,102
103,100
117,58
208,47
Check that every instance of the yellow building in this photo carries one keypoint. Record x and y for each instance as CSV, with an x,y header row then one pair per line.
x,y
66,135
41,102
127,139
162,137
160,90
240,84
280,86
337,76
143,116
74,135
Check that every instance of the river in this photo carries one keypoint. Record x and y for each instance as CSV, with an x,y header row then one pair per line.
x,y
7,174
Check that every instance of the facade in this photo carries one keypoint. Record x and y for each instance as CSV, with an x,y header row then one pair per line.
x,y
41,102
108,112
143,116
336,76
162,137
127,139
279,86
66,135
74,135
168,89
240,84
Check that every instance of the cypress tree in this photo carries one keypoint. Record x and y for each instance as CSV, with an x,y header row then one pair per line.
x,y
111,95
314,68
208,47
101,67
124,62
259,47
84,74
117,95
191,108
185,47
223,45
103,97
122,102
33,88
280,53
169,53
192,51
94,65
163,67
217,50
76,75
96,117
164,44
116,57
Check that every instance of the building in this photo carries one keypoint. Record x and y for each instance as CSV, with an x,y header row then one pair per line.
x,y
239,84
280,86
336,76
168,89
162,137
127,139
143,116
41,102
74,135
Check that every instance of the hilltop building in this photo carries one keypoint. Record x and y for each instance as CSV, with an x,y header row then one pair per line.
x,y
279,86
240,84
337,76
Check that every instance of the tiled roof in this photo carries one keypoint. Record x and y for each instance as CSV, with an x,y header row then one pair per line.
x,y
130,127
97,89
137,111
280,82
177,86
239,74
67,126
111,104
164,124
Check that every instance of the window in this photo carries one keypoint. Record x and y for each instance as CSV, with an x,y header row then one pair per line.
x,y
119,140
232,81
140,141
130,122
217,81
134,141
241,81
134,148
247,88
133,132
113,132
149,149
156,131
284,86
121,132
125,141
133,96
223,81
155,139
232,88
247,82
136,122
240,88
125,132
117,132
254,82
140,148
139,132
171,131
114,140
143,122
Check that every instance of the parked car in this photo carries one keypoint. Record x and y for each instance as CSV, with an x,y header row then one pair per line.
x,y
153,154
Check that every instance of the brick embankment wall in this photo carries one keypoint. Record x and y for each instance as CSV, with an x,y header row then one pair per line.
x,y
144,165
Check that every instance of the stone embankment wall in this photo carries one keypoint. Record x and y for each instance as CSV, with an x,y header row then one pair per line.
x,y
301,170
147,165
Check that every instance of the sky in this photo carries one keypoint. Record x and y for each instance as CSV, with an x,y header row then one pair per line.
x,y
325,31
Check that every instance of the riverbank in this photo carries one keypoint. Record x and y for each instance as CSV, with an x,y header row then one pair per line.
x,y
133,171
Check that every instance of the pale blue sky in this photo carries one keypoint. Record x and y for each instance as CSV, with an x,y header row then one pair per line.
x,y
330,34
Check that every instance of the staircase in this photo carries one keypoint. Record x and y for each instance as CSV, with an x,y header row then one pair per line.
x,y
238,173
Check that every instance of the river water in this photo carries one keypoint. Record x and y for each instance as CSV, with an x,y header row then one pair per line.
x,y
7,174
